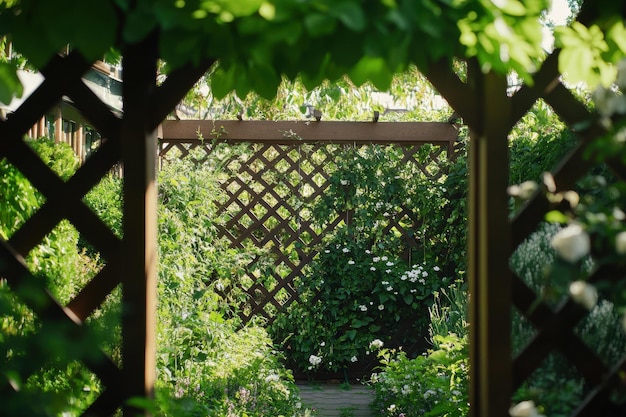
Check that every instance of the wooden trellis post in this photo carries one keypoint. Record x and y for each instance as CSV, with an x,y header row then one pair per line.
x,y
488,251
139,245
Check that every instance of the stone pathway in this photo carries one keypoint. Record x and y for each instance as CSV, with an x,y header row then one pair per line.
x,y
335,400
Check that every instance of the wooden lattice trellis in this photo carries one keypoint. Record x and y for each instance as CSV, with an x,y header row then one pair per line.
x,y
285,169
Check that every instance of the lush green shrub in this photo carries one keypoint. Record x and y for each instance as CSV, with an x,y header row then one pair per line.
x,y
432,384
41,360
365,281
206,363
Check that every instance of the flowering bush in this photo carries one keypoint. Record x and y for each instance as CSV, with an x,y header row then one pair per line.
x,y
432,384
360,286
354,295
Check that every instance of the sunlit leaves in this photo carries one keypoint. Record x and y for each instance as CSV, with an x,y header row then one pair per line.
x,y
581,56
40,29
505,35
10,84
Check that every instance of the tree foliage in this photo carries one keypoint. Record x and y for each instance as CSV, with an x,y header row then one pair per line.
x,y
258,41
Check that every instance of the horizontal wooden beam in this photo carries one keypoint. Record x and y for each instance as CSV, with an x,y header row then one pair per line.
x,y
286,132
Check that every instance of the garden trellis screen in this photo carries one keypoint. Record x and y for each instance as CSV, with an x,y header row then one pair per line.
x,y
283,169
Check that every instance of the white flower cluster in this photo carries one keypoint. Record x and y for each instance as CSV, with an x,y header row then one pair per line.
x,y
376,344
524,409
524,190
584,294
571,243
315,360
417,273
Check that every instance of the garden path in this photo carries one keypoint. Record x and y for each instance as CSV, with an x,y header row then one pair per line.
x,y
337,400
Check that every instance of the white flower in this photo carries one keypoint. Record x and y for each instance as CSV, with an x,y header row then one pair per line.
x,y
391,408
315,360
326,251
350,262
376,344
323,344
524,409
389,263
375,259
389,288
388,271
345,250
272,378
353,359
384,258
584,294
381,307
620,243
571,243
372,268
343,182
406,390
367,251
436,269
524,190
385,214
363,307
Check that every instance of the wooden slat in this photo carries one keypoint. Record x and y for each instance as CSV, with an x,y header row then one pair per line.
x,y
489,251
41,301
285,132
139,254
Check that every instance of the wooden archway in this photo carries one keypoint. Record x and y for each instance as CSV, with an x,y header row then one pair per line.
x,y
484,106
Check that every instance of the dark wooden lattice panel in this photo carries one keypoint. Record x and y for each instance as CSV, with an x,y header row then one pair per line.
x,y
269,189
64,200
490,113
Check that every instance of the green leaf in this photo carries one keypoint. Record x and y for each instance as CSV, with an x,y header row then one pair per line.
x,y
222,82
350,14
142,403
372,69
408,299
10,85
264,80
138,25
319,24
513,8
556,216
576,63
98,20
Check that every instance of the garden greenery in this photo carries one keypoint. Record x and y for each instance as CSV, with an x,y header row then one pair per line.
x,y
207,363
367,281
